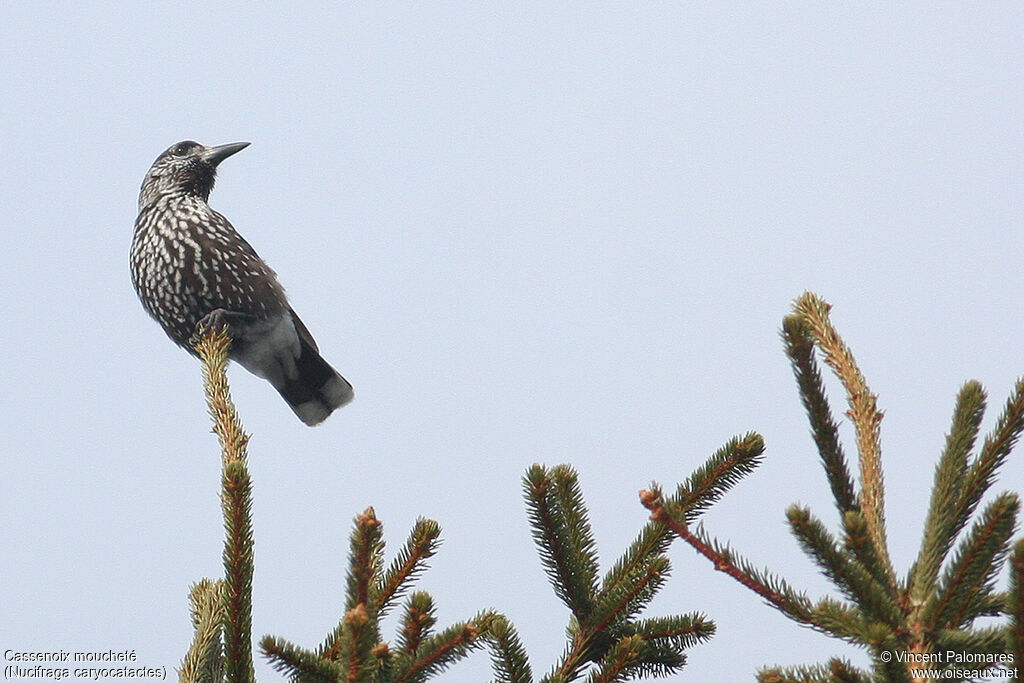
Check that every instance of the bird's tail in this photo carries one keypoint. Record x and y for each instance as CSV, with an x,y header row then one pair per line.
x,y
317,389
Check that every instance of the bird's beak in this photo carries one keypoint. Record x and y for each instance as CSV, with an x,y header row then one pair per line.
x,y
217,154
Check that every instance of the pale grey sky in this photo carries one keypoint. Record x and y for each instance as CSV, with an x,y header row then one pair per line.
x,y
526,233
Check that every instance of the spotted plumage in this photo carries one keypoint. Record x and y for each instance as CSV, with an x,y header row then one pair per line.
x,y
189,265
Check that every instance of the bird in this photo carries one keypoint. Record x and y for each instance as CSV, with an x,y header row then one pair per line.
x,y
192,269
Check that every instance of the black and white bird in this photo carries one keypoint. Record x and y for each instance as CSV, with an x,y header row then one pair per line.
x,y
190,266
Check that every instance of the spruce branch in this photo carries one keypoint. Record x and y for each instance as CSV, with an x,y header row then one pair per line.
x,y
618,660
606,642
864,413
858,541
855,582
726,467
437,652
365,559
365,562
892,671
299,664
238,570
666,640
969,577
656,660
204,661
567,556
508,657
919,615
993,604
354,651
824,429
629,598
417,622
1015,604
569,501
213,348
723,470
358,662
612,614
682,632
408,564
979,642
771,589
998,444
580,651
835,671
847,623
236,502
942,524
652,540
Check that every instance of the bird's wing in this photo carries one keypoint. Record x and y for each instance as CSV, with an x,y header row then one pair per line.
x,y
304,334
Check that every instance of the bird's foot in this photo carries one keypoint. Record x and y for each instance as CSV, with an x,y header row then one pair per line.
x,y
231,322
214,320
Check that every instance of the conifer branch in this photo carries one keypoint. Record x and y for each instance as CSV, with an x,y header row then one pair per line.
x,y
800,349
603,630
652,540
993,604
977,560
723,470
844,622
665,641
1015,604
354,652
566,562
569,500
893,671
980,642
619,659
204,663
863,411
299,664
578,653
629,598
417,623
923,614
213,352
238,570
236,501
656,659
941,525
874,599
587,640
365,551
439,651
682,631
858,541
408,564
361,635
508,657
771,590
998,444
835,671
726,467
365,559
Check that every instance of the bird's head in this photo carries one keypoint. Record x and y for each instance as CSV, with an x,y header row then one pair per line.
x,y
185,168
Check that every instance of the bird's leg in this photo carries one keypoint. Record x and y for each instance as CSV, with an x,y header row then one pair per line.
x,y
231,322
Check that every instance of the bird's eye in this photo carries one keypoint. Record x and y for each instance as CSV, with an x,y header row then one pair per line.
x,y
181,149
